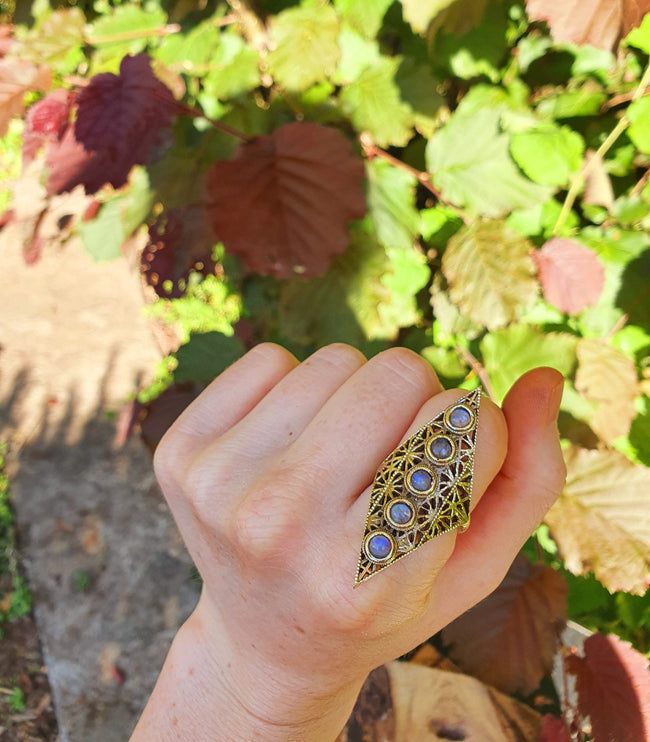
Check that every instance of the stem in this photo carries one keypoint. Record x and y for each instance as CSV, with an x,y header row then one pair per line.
x,y
641,183
197,112
478,369
578,182
371,150
126,35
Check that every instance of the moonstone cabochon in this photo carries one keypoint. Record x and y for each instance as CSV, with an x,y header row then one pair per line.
x,y
442,510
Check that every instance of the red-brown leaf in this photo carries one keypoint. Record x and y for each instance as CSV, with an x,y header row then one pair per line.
x,y
46,121
17,77
519,624
571,275
284,201
179,242
600,23
613,685
554,730
119,119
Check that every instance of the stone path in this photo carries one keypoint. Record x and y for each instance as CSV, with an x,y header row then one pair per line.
x,y
109,573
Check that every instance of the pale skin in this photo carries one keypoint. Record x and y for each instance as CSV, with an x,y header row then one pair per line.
x,y
268,476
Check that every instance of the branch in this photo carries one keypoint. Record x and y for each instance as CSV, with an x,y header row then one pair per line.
x,y
578,182
371,150
478,369
198,113
127,35
641,183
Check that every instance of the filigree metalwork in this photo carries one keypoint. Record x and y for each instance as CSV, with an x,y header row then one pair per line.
x,y
431,474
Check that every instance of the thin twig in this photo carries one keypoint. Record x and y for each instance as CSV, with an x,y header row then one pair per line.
x,y
623,98
578,182
167,30
618,326
198,113
640,185
478,369
371,150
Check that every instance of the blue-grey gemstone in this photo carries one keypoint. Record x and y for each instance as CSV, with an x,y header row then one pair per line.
x,y
379,546
421,480
441,448
459,417
401,513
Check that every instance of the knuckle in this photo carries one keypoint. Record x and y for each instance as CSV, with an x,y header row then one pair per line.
x,y
407,366
340,355
166,459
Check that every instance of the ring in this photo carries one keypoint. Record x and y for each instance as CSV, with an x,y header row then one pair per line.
x,y
422,489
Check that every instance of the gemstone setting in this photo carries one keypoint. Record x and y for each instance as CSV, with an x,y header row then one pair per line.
x,y
400,514
460,418
441,449
421,480
379,546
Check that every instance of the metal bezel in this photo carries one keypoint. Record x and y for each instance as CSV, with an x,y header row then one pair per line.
x,y
400,526
389,556
434,480
455,429
436,459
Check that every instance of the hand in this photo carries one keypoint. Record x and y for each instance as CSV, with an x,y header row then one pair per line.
x,y
268,475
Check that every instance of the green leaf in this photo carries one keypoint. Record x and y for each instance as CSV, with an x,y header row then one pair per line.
x,y
305,51
448,364
373,103
470,163
599,522
113,33
365,16
117,219
574,103
548,154
357,53
490,273
56,39
640,37
366,294
190,53
639,437
419,89
638,113
391,202
509,353
205,356
455,16
233,68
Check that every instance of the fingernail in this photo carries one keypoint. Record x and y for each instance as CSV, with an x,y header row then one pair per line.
x,y
554,400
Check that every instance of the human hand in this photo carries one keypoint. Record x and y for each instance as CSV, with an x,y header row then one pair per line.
x,y
268,475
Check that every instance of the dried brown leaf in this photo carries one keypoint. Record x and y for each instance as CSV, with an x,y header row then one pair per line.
x,y
601,23
601,521
17,77
519,628
607,377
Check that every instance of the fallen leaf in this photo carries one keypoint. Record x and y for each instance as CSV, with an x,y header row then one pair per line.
x,y
17,77
554,730
284,201
601,521
92,535
613,686
607,377
490,273
571,275
519,623
601,23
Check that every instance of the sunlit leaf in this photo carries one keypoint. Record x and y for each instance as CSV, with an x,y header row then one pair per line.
x,y
284,201
455,16
233,69
365,16
374,104
600,23
56,40
391,203
470,163
638,113
601,522
124,31
366,294
640,37
598,184
510,352
305,49
548,154
17,77
608,378
613,686
490,273
519,628
571,275
191,53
